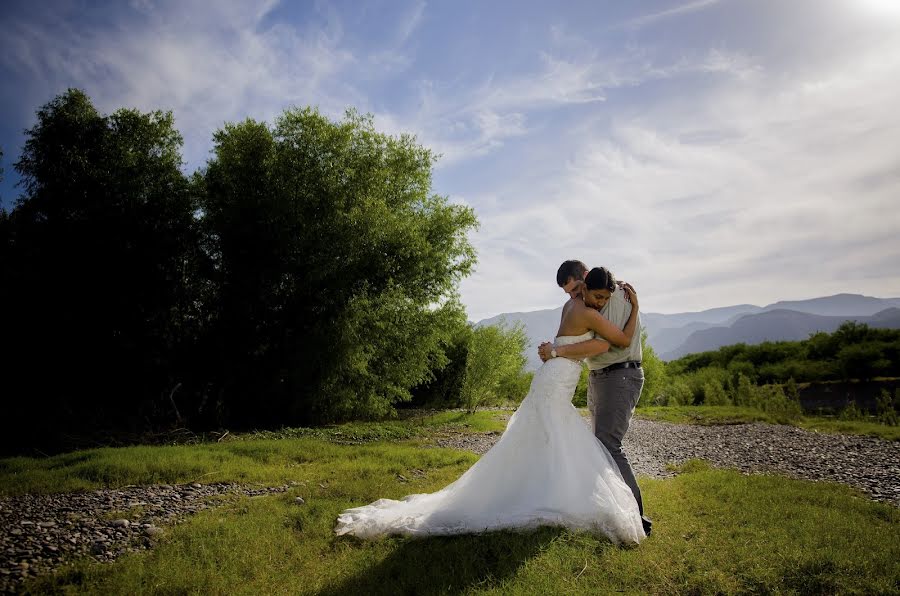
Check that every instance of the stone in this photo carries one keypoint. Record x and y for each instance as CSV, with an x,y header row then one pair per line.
x,y
120,523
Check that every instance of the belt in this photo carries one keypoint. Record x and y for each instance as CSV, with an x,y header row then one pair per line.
x,y
617,366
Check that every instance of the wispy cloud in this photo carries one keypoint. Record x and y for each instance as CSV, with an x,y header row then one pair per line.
x,y
747,192
722,162
209,63
671,12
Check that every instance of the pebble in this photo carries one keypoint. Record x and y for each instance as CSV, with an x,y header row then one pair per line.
x,y
72,524
867,463
75,524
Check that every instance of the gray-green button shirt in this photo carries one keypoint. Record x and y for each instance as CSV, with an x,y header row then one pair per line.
x,y
617,311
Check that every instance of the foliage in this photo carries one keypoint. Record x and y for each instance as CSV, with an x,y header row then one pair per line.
x,y
307,274
767,376
102,271
655,378
853,351
579,400
495,360
887,408
714,394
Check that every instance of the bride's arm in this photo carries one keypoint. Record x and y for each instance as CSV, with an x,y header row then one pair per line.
x,y
605,329
584,349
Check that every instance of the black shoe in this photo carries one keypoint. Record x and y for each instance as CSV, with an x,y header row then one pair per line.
x,y
648,525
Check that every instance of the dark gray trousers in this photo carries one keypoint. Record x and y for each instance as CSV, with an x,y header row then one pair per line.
x,y
614,396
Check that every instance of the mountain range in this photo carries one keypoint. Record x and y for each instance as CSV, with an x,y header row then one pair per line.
x,y
679,334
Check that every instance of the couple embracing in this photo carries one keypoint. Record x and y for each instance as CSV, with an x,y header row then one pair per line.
x,y
548,468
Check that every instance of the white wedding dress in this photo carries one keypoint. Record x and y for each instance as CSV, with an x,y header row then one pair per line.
x,y
547,469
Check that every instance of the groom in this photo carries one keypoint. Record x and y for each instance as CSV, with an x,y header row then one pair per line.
x,y
616,377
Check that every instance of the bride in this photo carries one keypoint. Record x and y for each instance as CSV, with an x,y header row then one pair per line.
x,y
547,468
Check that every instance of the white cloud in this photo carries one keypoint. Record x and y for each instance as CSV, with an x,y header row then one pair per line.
x,y
209,63
671,12
765,188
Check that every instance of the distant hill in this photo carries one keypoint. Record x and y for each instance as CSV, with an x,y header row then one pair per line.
x,y
673,335
775,325
838,305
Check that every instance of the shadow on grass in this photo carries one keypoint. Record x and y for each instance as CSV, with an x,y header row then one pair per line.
x,y
447,564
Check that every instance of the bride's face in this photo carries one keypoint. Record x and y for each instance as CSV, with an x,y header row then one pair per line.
x,y
596,298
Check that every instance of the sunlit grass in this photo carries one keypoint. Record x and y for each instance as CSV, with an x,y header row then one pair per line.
x,y
715,531
268,457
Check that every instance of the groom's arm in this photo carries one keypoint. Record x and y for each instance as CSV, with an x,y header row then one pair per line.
x,y
579,351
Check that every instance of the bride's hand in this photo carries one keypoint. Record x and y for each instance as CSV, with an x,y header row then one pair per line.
x,y
632,295
544,351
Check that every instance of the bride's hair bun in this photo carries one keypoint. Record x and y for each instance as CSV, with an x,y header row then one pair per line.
x,y
600,278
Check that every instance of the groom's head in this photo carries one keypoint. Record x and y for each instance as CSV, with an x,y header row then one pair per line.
x,y
570,277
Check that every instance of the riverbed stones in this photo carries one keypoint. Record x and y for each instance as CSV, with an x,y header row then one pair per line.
x,y
39,533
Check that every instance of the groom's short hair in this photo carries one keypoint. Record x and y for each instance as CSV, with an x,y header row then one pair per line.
x,y
570,269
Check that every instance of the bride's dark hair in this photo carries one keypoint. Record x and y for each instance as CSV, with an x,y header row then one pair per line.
x,y
600,278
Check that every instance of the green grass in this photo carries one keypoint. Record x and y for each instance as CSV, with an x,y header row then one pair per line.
x,y
715,532
268,457
741,415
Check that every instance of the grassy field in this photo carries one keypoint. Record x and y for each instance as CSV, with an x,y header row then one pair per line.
x,y
739,415
715,531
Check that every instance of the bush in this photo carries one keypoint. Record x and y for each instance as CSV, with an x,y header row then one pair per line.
x,y
887,408
851,412
496,356
677,393
654,374
772,400
714,394
580,398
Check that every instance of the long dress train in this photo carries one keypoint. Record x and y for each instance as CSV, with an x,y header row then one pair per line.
x,y
547,469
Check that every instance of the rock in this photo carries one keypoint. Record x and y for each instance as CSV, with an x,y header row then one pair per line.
x,y
120,523
153,531
299,500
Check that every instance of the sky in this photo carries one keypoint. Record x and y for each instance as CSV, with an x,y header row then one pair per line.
x,y
710,152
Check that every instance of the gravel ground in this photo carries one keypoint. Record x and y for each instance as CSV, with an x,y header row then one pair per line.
x,y
39,533
867,463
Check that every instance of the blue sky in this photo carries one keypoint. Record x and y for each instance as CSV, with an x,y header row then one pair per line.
x,y
712,152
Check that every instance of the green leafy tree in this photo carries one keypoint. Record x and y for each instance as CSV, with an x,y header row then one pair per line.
x,y
495,353
336,268
103,258
861,361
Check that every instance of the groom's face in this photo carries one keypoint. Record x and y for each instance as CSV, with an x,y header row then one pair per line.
x,y
573,287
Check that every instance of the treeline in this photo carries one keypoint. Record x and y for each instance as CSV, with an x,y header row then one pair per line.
x,y
853,351
766,376
306,274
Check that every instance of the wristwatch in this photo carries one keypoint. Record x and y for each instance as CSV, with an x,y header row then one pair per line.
x,y
553,353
